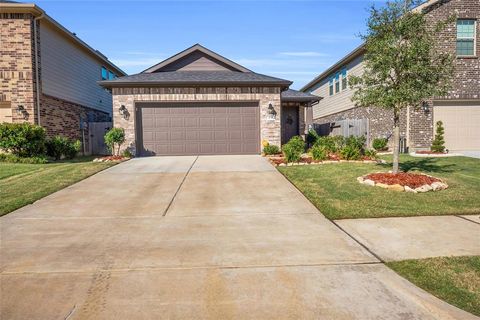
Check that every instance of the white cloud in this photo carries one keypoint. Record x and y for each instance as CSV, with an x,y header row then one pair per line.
x,y
303,54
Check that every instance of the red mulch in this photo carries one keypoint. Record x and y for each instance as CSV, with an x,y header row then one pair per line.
x,y
412,180
429,152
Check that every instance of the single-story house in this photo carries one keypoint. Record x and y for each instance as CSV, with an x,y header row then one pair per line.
x,y
459,110
48,75
199,102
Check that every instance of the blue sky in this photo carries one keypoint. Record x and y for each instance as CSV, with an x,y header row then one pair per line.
x,y
294,40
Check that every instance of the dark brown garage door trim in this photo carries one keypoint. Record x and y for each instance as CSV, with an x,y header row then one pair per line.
x,y
149,104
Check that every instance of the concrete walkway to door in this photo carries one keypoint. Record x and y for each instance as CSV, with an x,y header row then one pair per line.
x,y
211,237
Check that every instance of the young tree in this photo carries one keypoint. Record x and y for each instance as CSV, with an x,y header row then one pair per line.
x,y
114,136
402,66
438,144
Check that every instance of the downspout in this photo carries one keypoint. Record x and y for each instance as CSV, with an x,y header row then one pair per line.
x,y
37,76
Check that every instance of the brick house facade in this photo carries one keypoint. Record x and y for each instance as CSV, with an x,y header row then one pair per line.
x,y
417,125
22,58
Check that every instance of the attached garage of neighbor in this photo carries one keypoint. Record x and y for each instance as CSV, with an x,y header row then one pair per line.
x,y
200,103
461,121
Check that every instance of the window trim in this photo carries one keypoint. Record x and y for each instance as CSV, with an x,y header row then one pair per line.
x,y
461,38
337,82
344,80
331,89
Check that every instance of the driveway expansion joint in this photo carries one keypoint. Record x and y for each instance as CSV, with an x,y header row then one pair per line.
x,y
466,219
180,186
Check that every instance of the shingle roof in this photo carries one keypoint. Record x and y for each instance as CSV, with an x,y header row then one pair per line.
x,y
298,96
195,78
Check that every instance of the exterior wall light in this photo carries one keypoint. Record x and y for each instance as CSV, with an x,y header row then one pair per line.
x,y
22,112
271,113
425,106
124,112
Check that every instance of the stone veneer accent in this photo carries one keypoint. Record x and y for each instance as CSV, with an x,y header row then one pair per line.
x,y
17,77
269,129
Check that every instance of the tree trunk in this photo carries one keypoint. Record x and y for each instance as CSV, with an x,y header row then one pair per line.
x,y
396,140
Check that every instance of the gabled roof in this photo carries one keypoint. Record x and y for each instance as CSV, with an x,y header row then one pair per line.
x,y
291,95
17,7
191,50
358,51
195,78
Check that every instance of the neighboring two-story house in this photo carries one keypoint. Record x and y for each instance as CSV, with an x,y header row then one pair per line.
x,y
459,110
48,76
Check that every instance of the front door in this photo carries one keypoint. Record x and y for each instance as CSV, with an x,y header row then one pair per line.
x,y
290,124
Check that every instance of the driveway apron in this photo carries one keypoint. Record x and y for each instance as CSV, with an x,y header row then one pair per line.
x,y
210,237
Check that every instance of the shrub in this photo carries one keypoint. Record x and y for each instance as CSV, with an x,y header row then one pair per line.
x,y
22,139
371,153
438,144
350,152
331,144
11,158
293,149
380,144
127,154
60,146
319,153
312,137
271,149
114,136
356,142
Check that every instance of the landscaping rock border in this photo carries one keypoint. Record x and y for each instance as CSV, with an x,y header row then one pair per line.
x,y
435,186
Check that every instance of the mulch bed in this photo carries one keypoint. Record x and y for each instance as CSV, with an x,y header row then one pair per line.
x,y
411,180
110,159
429,152
280,160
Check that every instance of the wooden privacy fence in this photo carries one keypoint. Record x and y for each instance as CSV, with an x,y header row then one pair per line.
x,y
96,132
346,128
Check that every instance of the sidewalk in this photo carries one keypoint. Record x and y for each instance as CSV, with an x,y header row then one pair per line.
x,y
392,239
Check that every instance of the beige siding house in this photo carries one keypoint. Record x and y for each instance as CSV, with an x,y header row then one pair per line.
x,y
49,76
459,110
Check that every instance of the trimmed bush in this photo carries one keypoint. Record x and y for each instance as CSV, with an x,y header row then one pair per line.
x,y
350,152
371,153
58,147
319,153
438,144
115,136
331,144
271,149
22,139
293,149
11,158
380,144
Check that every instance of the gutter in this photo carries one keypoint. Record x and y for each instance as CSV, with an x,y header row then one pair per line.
x,y
37,75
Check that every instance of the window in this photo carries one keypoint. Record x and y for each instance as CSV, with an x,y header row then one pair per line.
x,y
337,82
104,73
465,37
330,86
344,78
111,75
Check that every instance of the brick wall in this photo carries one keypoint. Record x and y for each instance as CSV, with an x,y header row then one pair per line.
x,y
269,129
17,83
60,117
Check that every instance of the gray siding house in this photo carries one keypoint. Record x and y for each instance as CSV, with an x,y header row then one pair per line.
x,y
48,76
459,111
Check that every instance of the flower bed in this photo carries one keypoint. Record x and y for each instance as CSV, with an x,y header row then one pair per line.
x,y
110,159
403,181
279,160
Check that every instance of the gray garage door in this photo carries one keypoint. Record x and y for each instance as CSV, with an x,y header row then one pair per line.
x,y
198,128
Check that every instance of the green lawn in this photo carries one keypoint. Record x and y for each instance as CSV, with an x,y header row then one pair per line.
x,y
22,184
334,190
454,280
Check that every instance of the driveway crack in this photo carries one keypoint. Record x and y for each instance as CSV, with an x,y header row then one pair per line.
x,y
179,187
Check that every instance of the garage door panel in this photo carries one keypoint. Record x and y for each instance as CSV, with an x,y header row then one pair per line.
x,y
461,124
199,128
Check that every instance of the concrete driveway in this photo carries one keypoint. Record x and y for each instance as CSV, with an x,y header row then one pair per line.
x,y
213,237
